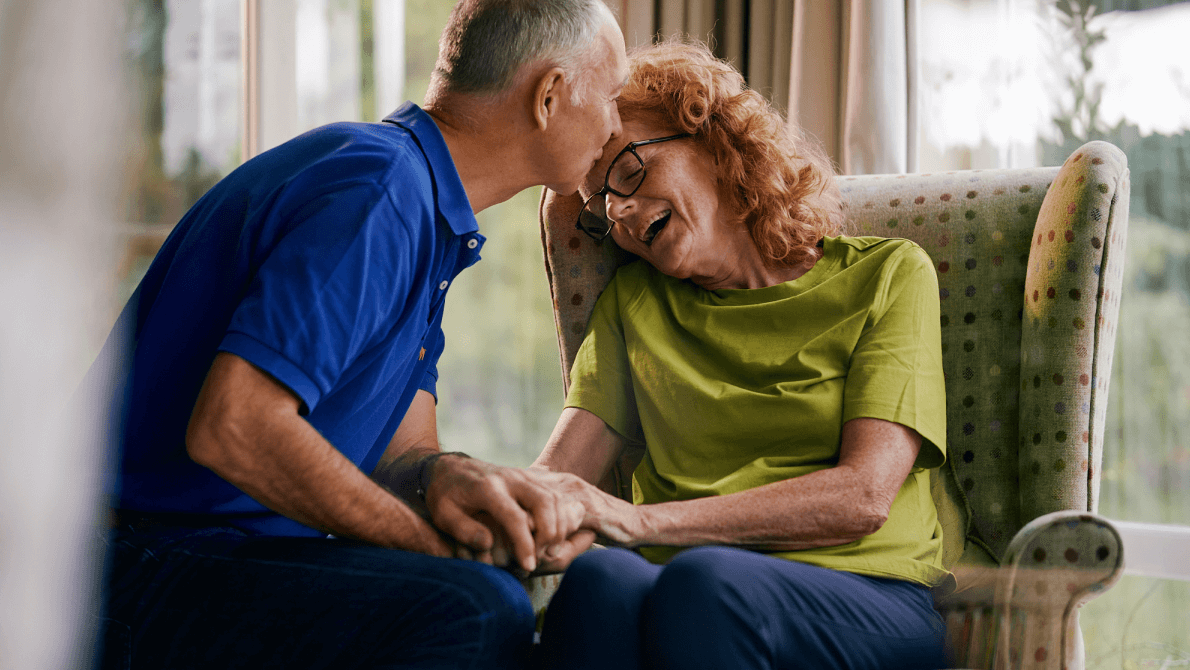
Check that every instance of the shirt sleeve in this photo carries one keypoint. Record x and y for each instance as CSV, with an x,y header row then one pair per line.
x,y
601,379
429,381
326,291
896,369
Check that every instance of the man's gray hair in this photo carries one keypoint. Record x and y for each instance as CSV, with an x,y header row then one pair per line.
x,y
486,42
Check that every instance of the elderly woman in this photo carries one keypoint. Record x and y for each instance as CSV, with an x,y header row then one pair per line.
x,y
787,383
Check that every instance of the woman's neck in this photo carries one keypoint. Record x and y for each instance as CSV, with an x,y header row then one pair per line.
x,y
747,269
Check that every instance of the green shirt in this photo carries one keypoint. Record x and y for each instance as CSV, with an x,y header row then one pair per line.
x,y
737,388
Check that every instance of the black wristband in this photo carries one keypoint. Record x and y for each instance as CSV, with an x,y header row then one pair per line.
x,y
425,470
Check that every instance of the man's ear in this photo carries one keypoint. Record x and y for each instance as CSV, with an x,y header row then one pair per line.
x,y
547,96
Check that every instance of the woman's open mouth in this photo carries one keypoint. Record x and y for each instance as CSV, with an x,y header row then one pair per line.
x,y
656,226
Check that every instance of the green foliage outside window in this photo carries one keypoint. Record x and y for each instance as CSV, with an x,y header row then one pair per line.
x,y
1146,461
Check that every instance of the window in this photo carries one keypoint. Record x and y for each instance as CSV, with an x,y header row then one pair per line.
x,y
184,60
1016,83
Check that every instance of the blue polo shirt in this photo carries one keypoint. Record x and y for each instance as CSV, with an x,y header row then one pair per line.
x,y
325,263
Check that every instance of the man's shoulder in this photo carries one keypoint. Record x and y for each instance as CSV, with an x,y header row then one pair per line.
x,y
348,156
376,151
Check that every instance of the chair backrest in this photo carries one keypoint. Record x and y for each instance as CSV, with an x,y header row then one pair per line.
x,y
1029,266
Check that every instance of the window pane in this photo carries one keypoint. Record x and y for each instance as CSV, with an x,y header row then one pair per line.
x,y
500,384
327,62
184,61
1139,623
1010,83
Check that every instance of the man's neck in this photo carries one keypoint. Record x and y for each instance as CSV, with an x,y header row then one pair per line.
x,y
491,160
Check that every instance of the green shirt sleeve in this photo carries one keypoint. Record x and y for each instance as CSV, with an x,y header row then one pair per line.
x,y
896,367
600,380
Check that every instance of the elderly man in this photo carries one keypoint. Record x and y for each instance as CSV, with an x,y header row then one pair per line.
x,y
280,383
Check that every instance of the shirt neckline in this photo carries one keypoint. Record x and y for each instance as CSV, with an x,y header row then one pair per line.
x,y
450,198
814,276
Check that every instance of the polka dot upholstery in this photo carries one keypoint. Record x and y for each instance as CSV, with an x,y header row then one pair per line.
x,y
1072,298
578,269
1029,269
1057,562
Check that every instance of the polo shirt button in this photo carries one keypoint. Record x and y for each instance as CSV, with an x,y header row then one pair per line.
x,y
472,243
442,286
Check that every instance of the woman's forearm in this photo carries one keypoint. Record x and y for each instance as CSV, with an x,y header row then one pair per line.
x,y
829,507
821,509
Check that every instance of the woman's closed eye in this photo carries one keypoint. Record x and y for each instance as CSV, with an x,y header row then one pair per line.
x,y
626,175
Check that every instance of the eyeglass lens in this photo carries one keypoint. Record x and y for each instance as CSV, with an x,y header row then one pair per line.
x,y
623,178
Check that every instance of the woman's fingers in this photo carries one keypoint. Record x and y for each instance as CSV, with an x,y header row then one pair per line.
x,y
559,555
511,515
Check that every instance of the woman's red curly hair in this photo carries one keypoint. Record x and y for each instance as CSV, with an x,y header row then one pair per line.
x,y
782,183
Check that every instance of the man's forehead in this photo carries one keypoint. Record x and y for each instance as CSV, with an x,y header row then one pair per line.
x,y
615,60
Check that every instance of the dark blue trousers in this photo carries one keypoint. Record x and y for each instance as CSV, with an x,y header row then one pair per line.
x,y
718,607
217,598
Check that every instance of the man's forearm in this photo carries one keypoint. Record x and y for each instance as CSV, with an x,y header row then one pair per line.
x,y
290,472
246,428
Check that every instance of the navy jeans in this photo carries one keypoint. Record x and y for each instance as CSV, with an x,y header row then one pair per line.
x,y
217,598
718,607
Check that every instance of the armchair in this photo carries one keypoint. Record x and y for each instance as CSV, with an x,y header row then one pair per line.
x,y
1029,265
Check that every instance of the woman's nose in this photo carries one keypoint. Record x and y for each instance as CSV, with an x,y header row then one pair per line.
x,y
617,206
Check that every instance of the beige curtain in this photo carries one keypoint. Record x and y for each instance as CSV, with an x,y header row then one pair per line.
x,y
754,35
845,70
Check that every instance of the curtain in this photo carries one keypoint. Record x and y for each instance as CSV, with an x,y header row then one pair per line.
x,y
844,70
756,36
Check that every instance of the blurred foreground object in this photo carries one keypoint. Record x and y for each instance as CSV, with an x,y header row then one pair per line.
x,y
61,143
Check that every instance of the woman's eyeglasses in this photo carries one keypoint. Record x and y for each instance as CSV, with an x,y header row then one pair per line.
x,y
624,177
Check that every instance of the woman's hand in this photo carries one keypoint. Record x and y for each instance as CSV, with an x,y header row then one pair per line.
x,y
618,520
550,559
580,451
558,556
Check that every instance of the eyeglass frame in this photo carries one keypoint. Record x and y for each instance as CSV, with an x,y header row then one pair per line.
x,y
607,188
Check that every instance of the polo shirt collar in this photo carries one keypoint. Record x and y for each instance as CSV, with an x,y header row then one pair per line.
x,y
451,200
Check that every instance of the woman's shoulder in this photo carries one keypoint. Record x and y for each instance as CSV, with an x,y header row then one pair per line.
x,y
866,244
889,253
637,283
629,282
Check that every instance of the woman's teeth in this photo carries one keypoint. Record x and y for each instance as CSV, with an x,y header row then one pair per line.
x,y
656,226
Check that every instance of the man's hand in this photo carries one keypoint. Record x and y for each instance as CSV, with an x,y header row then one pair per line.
x,y
553,559
527,506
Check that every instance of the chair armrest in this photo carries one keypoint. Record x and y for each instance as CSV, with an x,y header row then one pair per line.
x,y
1023,613
1053,566
541,589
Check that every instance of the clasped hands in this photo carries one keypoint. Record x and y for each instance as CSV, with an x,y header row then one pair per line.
x,y
527,520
